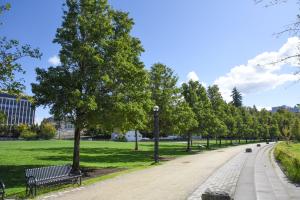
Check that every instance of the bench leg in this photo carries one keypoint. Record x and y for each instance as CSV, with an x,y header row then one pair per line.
x,y
30,190
79,180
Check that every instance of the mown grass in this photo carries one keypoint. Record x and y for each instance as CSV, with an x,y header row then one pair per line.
x,y
16,156
289,157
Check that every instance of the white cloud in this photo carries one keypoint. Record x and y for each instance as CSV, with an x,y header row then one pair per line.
x,y
262,72
194,77
54,60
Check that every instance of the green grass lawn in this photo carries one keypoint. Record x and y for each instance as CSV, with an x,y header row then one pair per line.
x,y
16,156
289,158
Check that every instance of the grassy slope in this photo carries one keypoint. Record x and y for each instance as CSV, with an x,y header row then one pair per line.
x,y
16,156
289,157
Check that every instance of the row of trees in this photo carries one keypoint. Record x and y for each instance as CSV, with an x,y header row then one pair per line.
x,y
101,82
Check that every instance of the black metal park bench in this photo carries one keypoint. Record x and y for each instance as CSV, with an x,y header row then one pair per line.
x,y
2,190
47,176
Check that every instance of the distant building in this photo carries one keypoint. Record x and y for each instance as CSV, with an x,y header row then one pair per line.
x,y
65,129
17,110
294,109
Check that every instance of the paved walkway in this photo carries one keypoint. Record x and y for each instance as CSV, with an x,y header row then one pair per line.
x,y
250,176
224,179
262,179
174,180
245,176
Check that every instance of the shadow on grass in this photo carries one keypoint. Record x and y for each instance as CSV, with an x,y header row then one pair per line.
x,y
107,155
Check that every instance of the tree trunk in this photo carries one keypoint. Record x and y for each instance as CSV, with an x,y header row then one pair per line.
x,y
136,141
188,149
207,142
220,141
76,154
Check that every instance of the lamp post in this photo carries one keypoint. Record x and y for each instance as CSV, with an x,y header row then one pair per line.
x,y
156,133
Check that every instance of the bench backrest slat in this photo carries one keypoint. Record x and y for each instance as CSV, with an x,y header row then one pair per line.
x,y
44,173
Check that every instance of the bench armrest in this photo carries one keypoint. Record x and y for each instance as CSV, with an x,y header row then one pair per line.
x,y
31,178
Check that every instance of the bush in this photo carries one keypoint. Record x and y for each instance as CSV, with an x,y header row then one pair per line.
x,y
28,135
10,131
289,161
15,132
23,127
47,131
4,131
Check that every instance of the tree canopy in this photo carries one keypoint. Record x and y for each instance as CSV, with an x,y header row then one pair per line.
x,y
101,79
236,97
11,52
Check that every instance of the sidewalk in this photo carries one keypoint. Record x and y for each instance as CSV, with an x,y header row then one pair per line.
x,y
174,180
250,176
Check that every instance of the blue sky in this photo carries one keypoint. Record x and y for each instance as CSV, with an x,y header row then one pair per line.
x,y
211,40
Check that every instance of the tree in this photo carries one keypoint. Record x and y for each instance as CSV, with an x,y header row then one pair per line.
x,y
165,94
206,115
196,96
216,100
238,118
133,104
230,122
264,121
236,97
189,92
285,121
100,77
274,129
219,128
185,120
248,128
286,133
10,53
296,129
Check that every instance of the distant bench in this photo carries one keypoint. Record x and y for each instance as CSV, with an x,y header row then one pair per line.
x,y
46,176
2,190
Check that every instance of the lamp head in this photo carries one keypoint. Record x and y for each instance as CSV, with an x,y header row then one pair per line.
x,y
155,108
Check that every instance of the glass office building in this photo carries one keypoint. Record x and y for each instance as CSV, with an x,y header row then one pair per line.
x,y
17,111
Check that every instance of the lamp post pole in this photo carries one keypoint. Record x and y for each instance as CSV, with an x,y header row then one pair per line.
x,y
156,133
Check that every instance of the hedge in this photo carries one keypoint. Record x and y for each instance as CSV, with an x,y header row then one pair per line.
x,y
289,161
